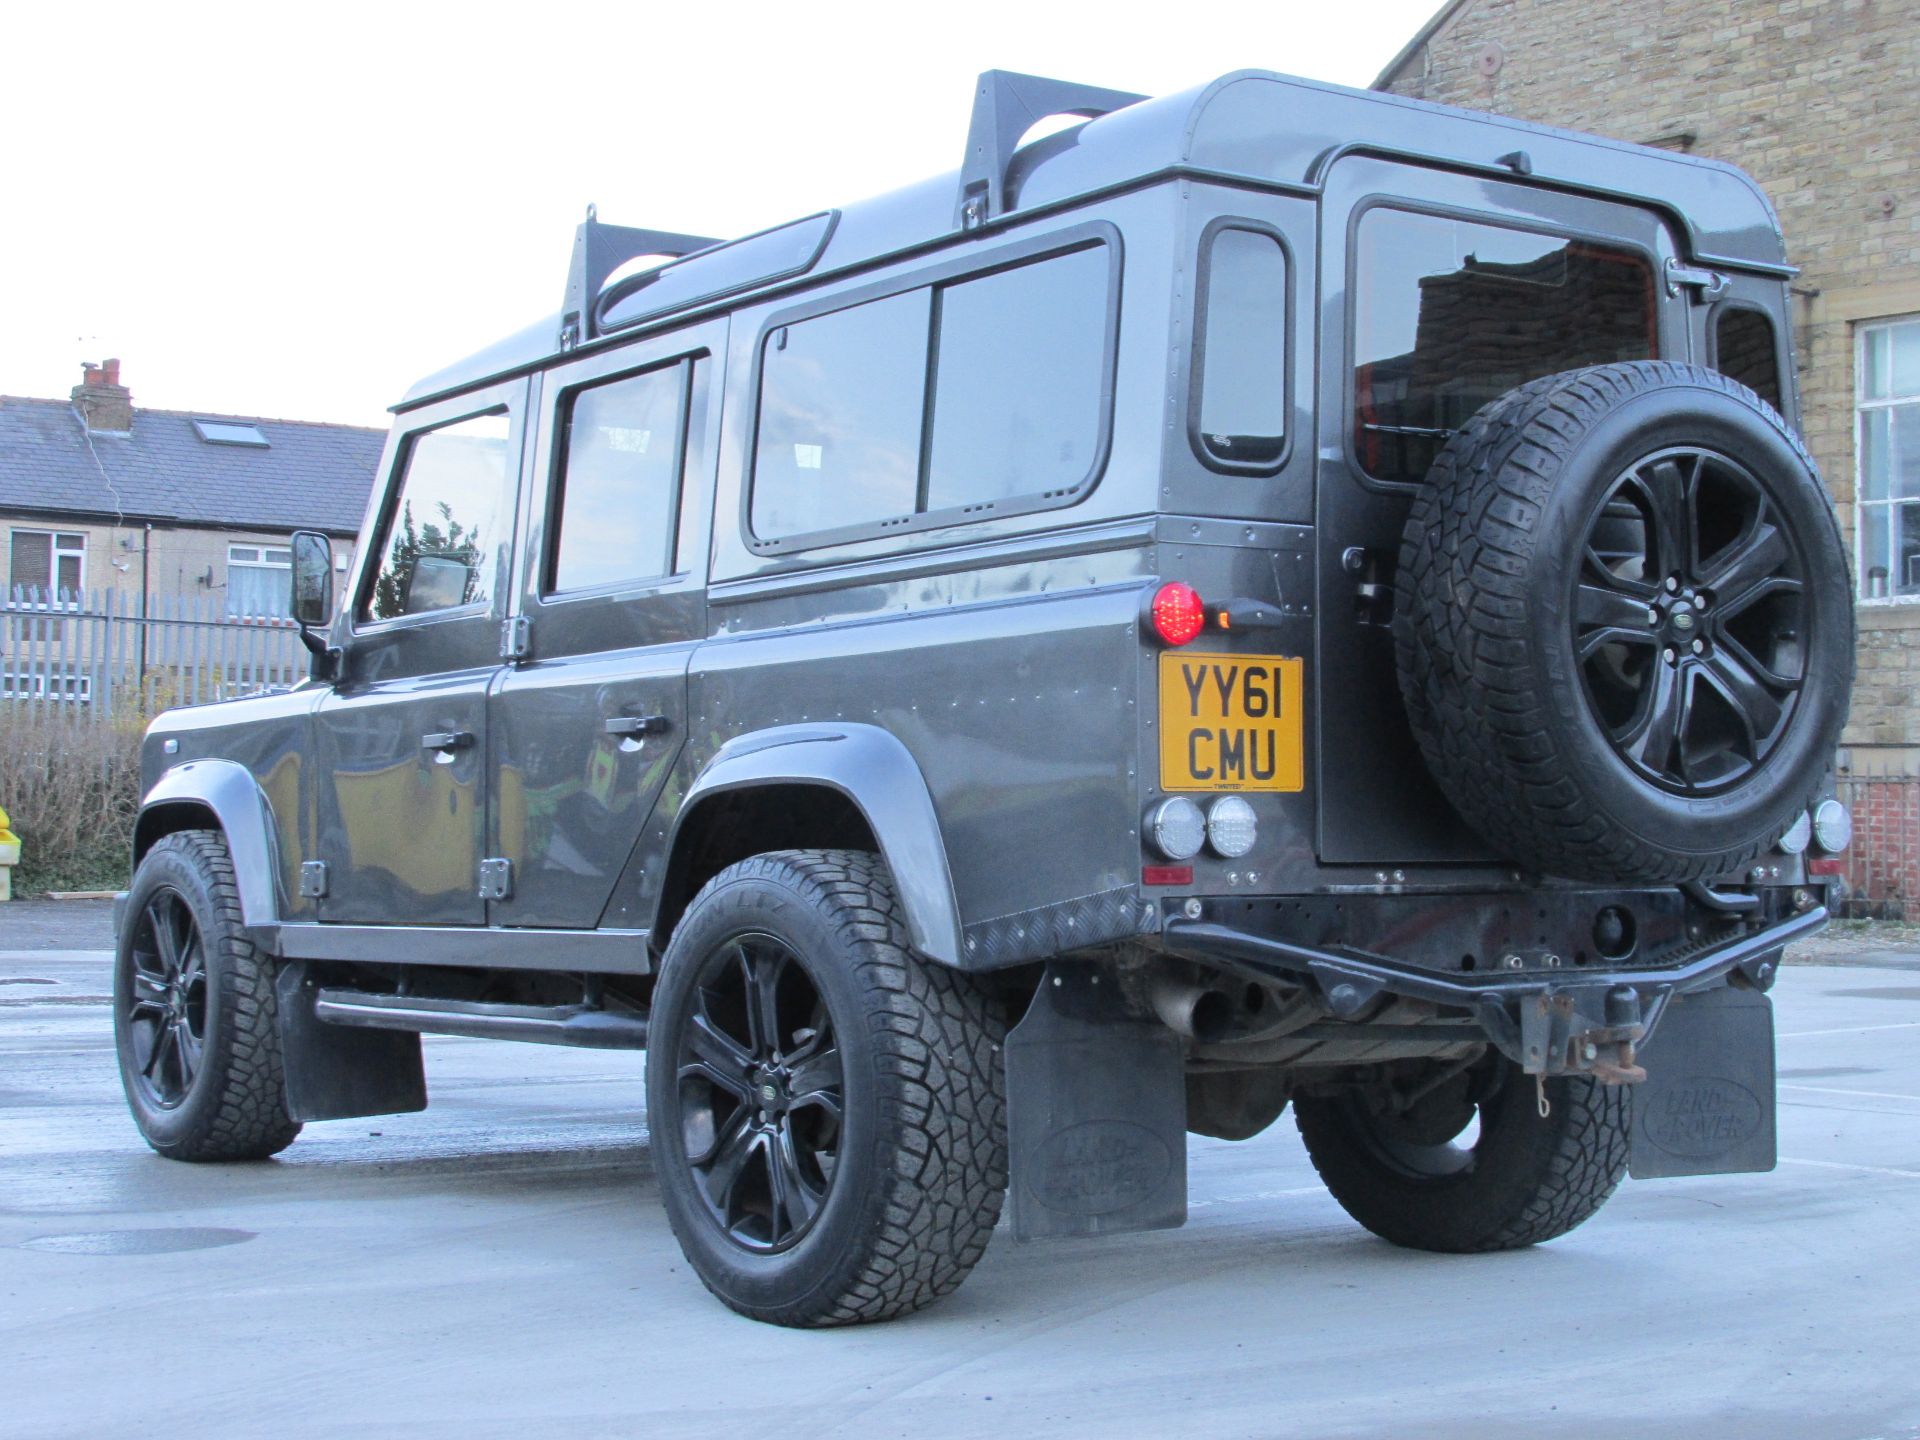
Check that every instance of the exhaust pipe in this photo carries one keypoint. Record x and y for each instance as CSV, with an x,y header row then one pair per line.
x,y
1192,1010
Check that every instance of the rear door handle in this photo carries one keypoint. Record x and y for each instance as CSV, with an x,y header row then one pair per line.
x,y
446,740
637,725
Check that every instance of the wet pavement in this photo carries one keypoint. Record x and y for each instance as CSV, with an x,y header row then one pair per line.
x,y
499,1266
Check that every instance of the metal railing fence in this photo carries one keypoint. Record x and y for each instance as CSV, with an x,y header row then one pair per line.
x,y
103,651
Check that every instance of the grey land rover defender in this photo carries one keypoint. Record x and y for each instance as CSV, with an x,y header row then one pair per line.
x,y
1270,596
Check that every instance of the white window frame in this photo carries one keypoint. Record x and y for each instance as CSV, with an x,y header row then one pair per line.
x,y
258,550
55,551
1862,407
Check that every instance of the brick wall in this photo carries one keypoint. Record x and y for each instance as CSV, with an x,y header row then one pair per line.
x,y
1818,100
1883,866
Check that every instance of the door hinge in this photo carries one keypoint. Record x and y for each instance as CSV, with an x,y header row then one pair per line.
x,y
496,879
1710,284
313,879
516,638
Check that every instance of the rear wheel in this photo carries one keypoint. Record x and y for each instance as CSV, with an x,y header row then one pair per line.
x,y
1472,1165
826,1108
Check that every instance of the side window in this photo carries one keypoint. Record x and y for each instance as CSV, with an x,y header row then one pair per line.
x,y
952,397
842,397
1242,337
455,509
1450,314
617,492
1743,348
1018,366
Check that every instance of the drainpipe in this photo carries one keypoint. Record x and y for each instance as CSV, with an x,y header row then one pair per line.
x,y
146,549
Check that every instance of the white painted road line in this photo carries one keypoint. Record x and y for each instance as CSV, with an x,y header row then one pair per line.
x,y
1848,1165
1863,1094
1852,1030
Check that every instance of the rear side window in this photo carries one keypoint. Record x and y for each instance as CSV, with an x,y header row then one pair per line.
x,y
842,401
619,481
454,511
1451,314
1242,338
1743,349
949,399
1017,369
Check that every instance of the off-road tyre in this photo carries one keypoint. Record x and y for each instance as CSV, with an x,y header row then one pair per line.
x,y
922,1163
1527,1179
235,1107
1485,618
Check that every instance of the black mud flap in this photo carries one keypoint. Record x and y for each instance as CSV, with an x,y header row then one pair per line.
x,y
1096,1113
334,1072
1707,1104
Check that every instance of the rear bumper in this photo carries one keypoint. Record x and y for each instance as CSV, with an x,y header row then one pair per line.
x,y
1587,1021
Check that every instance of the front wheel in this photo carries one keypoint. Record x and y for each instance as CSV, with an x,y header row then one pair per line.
x,y
194,1010
827,1109
1471,1165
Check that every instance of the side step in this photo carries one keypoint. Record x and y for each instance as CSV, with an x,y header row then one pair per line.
x,y
579,1025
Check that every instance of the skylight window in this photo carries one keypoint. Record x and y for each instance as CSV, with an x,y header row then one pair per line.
x,y
228,432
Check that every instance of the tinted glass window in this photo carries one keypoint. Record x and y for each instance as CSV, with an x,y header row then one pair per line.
x,y
842,397
1243,382
693,472
1017,377
1743,344
853,434
442,539
619,478
1450,315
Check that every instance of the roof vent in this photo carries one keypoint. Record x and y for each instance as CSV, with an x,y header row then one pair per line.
x,y
230,432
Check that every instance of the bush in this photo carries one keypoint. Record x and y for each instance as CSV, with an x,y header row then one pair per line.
x,y
71,783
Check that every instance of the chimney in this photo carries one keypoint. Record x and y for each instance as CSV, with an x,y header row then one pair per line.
x,y
104,403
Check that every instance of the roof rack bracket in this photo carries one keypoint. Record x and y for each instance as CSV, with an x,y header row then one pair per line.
x,y
599,250
1005,107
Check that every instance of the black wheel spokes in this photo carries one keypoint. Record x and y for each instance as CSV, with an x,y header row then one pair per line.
x,y
761,1091
1671,484
1688,620
167,1000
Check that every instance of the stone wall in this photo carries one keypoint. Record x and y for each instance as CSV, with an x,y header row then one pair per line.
x,y
1819,100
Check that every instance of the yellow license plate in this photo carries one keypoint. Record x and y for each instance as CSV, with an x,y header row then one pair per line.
x,y
1231,722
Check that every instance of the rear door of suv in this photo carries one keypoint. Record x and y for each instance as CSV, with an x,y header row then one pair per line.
x,y
1440,291
611,601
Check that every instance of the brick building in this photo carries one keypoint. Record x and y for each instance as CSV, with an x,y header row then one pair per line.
x,y
1817,100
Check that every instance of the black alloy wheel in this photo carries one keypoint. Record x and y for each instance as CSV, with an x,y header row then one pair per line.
x,y
826,1106
1472,1164
195,1015
166,1006
1689,619
761,1094
1623,625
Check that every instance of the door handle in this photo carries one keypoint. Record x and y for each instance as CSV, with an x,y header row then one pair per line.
x,y
638,725
446,740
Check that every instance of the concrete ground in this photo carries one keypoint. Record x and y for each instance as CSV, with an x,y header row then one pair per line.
x,y
499,1266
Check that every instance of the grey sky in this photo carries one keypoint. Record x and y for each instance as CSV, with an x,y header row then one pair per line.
x,y
296,212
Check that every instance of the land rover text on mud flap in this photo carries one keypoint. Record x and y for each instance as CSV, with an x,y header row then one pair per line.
x,y
1273,595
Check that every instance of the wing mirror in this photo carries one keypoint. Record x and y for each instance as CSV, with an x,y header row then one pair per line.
x,y
312,599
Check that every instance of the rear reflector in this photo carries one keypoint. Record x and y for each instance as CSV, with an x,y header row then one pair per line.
x,y
1831,865
1166,874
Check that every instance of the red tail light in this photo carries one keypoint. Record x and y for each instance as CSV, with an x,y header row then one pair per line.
x,y
1179,614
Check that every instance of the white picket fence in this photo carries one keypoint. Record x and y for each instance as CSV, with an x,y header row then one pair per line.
x,y
103,650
